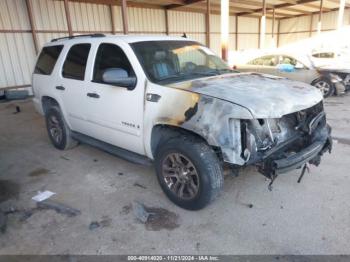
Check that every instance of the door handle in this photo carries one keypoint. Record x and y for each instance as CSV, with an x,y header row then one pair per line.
x,y
93,95
60,88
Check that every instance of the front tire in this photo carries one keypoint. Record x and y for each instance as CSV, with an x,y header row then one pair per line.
x,y
325,86
189,172
58,131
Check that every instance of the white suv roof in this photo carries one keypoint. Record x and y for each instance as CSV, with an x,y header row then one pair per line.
x,y
125,38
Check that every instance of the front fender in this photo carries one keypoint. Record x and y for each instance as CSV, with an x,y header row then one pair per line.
x,y
215,120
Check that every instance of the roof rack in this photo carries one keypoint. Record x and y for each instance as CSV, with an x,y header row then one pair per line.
x,y
76,36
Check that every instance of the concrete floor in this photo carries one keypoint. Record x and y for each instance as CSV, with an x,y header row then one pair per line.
x,y
308,218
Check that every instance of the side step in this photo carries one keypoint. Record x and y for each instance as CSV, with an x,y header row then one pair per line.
x,y
114,150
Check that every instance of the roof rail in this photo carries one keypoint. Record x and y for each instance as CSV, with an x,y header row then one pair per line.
x,y
76,36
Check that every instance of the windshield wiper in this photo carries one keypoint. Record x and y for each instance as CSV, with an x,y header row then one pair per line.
x,y
208,73
225,70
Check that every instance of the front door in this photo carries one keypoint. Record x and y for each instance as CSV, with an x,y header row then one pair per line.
x,y
114,112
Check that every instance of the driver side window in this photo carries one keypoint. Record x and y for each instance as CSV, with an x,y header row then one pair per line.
x,y
110,56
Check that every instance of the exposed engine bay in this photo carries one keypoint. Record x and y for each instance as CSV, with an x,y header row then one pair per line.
x,y
276,146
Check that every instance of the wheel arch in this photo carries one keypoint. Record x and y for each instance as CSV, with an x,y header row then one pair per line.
x,y
163,132
47,102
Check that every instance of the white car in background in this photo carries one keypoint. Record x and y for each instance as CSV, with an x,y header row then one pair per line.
x,y
326,57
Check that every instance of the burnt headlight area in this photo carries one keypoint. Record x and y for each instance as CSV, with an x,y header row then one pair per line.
x,y
266,140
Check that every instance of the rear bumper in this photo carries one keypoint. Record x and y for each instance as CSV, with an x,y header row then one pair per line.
x,y
310,154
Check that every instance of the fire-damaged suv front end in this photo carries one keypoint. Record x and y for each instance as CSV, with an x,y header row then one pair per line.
x,y
273,123
278,145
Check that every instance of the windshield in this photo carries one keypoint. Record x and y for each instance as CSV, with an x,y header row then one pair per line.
x,y
166,62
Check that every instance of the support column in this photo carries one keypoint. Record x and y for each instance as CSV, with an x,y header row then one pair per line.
x,y
69,24
273,27
207,24
278,32
341,14
236,33
125,17
319,24
32,25
311,24
112,19
262,26
225,11
166,22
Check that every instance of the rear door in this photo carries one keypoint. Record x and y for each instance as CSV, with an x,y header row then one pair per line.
x,y
71,85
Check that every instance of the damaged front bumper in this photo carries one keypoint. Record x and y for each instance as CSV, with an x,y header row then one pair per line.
x,y
273,164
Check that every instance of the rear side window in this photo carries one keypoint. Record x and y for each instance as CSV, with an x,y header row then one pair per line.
x,y
264,61
47,59
75,64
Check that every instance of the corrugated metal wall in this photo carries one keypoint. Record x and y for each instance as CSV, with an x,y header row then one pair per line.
x,y
295,29
17,52
16,49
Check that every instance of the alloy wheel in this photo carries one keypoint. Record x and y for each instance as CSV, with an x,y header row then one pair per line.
x,y
323,86
55,129
180,175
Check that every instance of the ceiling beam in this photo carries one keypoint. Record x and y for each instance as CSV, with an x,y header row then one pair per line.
x,y
315,13
311,5
183,3
337,2
279,6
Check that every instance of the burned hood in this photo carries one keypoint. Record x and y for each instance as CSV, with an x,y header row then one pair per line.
x,y
265,96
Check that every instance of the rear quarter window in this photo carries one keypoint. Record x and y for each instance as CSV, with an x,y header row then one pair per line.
x,y
47,59
75,64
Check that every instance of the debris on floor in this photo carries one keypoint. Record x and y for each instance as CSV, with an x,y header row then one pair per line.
x,y
104,222
8,190
140,212
139,185
126,209
3,222
41,196
18,110
93,225
39,172
58,207
155,218
65,158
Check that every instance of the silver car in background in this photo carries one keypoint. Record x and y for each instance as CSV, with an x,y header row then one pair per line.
x,y
300,68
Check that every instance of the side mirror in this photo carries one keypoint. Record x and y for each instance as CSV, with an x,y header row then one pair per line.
x,y
119,77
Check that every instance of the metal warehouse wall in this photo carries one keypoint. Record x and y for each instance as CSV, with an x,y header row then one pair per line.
x,y
17,51
298,28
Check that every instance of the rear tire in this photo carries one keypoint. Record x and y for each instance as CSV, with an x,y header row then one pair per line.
x,y
58,130
325,86
189,172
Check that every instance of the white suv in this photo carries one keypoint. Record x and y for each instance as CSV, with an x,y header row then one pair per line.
x,y
173,101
